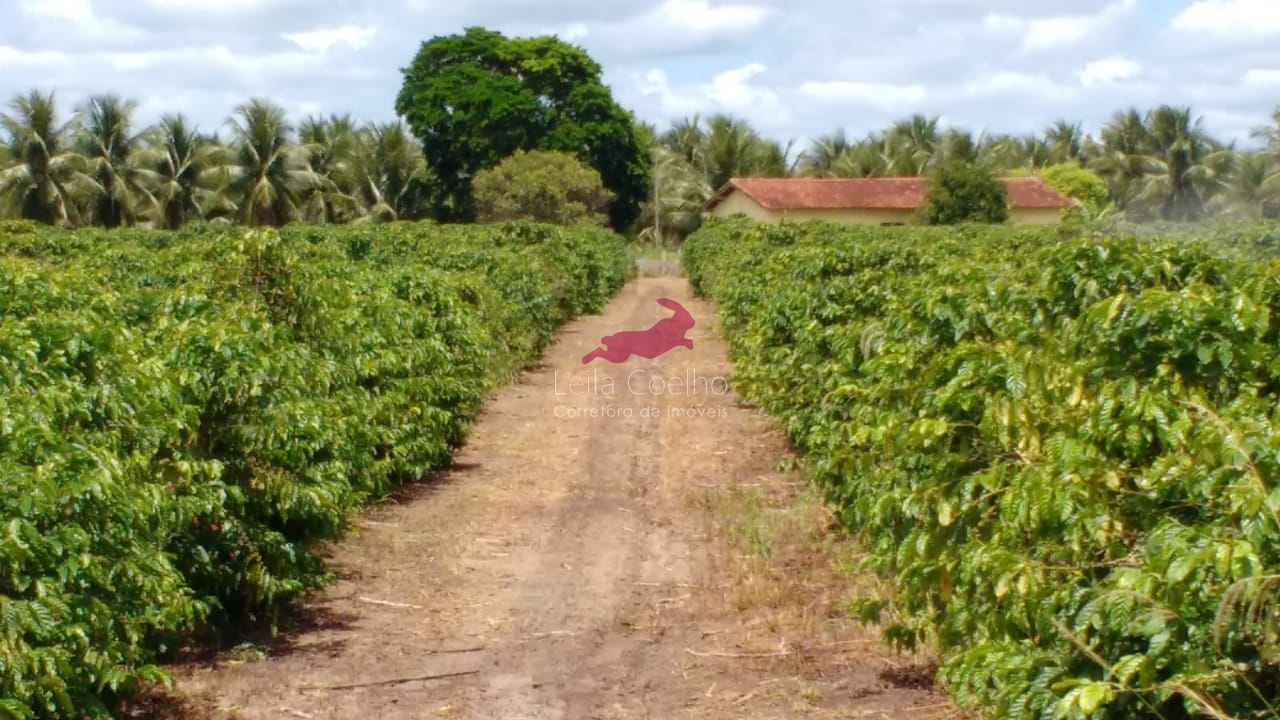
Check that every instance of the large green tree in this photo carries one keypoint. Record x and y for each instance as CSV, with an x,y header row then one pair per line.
x,y
476,98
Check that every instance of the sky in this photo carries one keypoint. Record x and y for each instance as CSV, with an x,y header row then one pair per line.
x,y
795,69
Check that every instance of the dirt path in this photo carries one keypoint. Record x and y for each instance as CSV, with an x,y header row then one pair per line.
x,y
581,568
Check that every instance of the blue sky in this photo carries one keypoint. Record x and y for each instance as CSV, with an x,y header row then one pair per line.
x,y
795,69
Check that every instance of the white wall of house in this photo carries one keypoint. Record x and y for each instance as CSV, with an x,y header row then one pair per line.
x,y
738,203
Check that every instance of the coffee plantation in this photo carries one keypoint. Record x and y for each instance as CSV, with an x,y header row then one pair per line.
x,y
184,415
1058,446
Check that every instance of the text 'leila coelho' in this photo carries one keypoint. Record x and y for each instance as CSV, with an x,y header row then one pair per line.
x,y
639,382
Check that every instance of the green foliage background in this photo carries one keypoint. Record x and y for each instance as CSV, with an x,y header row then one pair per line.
x,y
1061,447
185,414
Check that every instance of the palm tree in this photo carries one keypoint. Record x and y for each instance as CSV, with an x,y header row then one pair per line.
x,y
868,157
1002,153
331,145
1269,156
1065,141
914,144
185,164
680,191
1162,162
389,171
1121,160
1249,189
45,179
820,159
1188,165
732,148
959,144
729,150
687,139
110,146
1034,153
270,174
1269,134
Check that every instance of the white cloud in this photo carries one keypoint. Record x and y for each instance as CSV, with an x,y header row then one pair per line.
x,y
216,5
1258,76
320,40
1109,70
13,57
214,59
133,61
730,91
881,95
678,27
1003,65
575,31
1047,33
1013,84
699,16
1054,32
655,91
733,89
1236,124
76,11
1220,18
72,22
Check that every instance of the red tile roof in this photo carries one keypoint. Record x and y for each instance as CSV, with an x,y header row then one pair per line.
x,y
887,193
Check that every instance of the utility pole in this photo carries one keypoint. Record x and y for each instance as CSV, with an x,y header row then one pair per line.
x,y
657,207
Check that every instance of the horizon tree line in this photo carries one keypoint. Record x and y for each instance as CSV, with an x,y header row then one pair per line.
x,y
1158,164
97,167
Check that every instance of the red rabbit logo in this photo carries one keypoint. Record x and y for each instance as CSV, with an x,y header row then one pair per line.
x,y
665,335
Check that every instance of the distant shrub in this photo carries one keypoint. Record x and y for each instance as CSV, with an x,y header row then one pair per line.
x,y
1079,184
541,186
961,191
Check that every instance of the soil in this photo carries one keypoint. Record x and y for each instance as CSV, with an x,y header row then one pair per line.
x,y
593,567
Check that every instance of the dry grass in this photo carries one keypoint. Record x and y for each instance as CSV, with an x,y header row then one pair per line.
x,y
784,612
656,262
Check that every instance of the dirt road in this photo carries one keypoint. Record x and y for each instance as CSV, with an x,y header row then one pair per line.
x,y
580,567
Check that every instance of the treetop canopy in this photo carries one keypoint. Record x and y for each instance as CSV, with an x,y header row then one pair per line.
x,y
478,97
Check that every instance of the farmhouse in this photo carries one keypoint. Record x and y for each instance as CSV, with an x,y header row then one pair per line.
x,y
872,201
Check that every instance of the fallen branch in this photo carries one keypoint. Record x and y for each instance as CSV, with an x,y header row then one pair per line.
x,y
554,633
477,648
779,653
666,584
388,603
398,681
845,643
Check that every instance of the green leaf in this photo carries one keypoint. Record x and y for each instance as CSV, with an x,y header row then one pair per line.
x,y
1093,696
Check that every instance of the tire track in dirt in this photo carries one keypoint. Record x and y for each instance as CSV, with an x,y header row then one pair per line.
x,y
562,569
